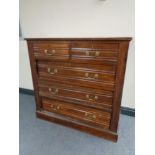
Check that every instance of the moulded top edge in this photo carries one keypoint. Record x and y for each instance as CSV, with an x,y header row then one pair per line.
x,y
70,39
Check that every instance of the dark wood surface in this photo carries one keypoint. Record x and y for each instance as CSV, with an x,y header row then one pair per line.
x,y
80,75
120,73
84,72
33,64
79,113
80,79
88,97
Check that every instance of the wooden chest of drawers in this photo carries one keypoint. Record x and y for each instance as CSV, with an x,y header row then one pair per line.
x,y
78,82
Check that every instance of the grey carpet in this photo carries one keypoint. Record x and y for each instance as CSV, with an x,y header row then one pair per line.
x,y
39,137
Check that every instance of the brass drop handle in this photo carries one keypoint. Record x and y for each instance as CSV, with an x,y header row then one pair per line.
x,y
90,116
88,97
52,71
55,107
95,76
53,91
49,52
88,76
94,98
87,53
97,53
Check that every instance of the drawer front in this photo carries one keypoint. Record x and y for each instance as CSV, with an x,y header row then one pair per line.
x,y
51,50
108,86
91,76
75,72
94,56
92,98
86,115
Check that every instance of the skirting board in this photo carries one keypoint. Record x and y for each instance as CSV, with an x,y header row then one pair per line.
x,y
124,110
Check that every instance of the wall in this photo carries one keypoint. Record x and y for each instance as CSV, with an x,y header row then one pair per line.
x,y
78,18
25,79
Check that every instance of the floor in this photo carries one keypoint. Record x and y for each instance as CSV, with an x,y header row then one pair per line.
x,y
39,137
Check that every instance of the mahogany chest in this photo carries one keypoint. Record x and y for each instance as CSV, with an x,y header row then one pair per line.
x,y
78,82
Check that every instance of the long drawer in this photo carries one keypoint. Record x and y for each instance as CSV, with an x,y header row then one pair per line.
x,y
82,96
75,72
84,75
83,114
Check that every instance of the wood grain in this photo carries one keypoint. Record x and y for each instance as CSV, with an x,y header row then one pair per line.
x,y
33,64
78,82
119,84
88,97
83,114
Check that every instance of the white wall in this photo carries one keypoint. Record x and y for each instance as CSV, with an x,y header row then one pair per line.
x,y
78,18
25,78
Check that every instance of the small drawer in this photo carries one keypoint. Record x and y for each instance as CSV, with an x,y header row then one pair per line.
x,y
95,56
84,96
83,114
50,51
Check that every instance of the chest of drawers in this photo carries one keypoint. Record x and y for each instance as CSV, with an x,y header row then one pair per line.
x,y
78,82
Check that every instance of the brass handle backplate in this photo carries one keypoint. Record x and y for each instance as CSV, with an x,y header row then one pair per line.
x,y
90,116
88,75
87,53
92,98
95,76
55,107
52,71
97,53
49,52
53,91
